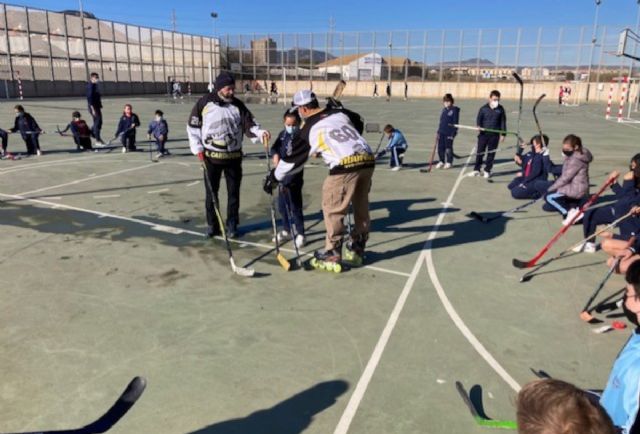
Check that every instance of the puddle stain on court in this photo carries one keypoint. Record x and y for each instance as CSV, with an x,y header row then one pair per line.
x,y
165,279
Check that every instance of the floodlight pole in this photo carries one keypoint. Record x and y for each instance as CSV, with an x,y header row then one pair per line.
x,y
594,37
214,15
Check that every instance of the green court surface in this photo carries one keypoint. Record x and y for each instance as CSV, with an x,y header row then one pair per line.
x,y
106,275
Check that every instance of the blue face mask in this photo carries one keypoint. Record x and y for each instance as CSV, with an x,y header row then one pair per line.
x,y
291,128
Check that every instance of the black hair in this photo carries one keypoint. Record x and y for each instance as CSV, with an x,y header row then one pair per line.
x,y
76,114
537,139
574,141
94,75
159,113
633,274
448,97
19,108
291,114
494,93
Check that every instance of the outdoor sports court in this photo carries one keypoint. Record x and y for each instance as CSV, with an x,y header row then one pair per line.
x,y
107,275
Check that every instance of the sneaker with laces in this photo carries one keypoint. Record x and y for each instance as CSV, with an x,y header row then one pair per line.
x,y
447,166
573,212
440,165
586,247
300,241
473,173
486,175
395,169
282,237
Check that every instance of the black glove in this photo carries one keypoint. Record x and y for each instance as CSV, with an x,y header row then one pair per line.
x,y
270,182
380,154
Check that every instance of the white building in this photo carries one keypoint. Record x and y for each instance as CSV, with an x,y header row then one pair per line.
x,y
358,67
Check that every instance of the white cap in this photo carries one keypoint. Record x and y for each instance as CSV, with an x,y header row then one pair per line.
x,y
303,97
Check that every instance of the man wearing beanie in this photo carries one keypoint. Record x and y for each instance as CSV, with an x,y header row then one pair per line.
x,y
336,134
216,127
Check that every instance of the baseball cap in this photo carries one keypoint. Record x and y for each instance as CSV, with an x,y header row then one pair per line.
x,y
303,97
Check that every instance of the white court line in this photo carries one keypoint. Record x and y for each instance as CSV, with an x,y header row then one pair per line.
x,y
104,196
162,190
28,166
372,364
52,197
173,229
77,181
193,183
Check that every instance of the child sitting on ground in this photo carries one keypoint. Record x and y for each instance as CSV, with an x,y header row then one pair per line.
x,y
532,164
129,121
80,131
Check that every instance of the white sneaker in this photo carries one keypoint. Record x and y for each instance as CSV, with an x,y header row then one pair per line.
x,y
282,236
570,215
159,155
300,241
124,150
473,173
486,175
447,166
439,165
587,247
395,169
38,152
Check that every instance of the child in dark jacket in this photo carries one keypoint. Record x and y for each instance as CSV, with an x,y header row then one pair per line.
x,y
532,163
159,130
80,131
127,129
29,130
449,116
290,192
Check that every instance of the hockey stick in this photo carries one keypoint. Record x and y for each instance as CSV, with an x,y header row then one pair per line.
x,y
484,219
284,263
529,275
113,415
585,315
535,116
294,230
379,144
481,419
519,80
433,152
337,92
240,271
533,261
487,130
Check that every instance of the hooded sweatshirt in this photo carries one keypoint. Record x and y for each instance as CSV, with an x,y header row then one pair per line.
x,y
574,181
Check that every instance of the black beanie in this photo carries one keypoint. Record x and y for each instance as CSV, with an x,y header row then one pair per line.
x,y
224,79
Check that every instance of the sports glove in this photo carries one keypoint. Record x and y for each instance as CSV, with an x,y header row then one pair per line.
x,y
270,182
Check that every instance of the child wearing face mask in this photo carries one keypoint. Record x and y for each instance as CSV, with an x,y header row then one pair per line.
x,y
621,396
290,191
447,132
127,129
159,130
565,193
29,130
532,164
493,116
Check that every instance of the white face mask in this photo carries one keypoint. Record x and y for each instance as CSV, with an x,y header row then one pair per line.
x,y
158,118
494,103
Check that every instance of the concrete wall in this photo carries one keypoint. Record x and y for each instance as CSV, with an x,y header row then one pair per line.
x,y
462,90
43,88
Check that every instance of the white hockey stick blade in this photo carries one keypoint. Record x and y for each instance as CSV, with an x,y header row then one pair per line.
x,y
241,271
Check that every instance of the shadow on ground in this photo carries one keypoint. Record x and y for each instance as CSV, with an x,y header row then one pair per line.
x,y
292,416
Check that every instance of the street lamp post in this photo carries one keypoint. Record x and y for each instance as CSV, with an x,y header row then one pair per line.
x,y
214,15
594,38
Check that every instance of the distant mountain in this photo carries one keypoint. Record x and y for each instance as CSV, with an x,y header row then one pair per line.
x,y
468,62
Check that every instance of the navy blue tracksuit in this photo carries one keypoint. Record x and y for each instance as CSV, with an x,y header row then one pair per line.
x,y
127,127
29,131
290,197
523,187
627,196
81,134
447,132
4,136
159,131
495,119
94,101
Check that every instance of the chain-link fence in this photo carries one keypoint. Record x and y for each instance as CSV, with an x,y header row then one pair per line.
x,y
553,55
52,53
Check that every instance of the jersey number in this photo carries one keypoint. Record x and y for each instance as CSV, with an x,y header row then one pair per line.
x,y
344,134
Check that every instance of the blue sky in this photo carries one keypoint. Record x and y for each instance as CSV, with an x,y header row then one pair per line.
x,y
263,16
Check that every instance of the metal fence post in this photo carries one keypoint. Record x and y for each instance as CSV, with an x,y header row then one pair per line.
x,y
498,47
424,53
6,34
518,39
460,49
49,39
478,55
441,55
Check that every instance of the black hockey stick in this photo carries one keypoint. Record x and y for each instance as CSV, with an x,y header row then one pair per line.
x,y
535,117
479,416
240,271
113,415
519,80
484,219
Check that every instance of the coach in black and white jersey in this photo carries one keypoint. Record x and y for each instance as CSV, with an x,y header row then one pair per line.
x,y
216,128
335,134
